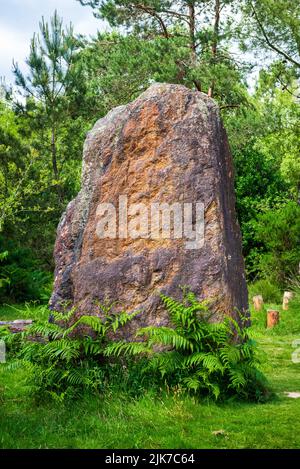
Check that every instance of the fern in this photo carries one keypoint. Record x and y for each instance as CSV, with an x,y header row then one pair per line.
x,y
217,359
126,348
166,336
73,354
68,356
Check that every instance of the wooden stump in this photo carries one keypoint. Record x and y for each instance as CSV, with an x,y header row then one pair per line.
x,y
287,296
258,302
272,318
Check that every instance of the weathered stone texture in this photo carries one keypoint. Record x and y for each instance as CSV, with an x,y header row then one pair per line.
x,y
168,145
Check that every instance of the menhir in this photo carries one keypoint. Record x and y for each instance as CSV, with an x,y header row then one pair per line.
x,y
166,147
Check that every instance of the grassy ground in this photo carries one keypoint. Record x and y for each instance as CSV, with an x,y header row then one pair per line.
x,y
165,422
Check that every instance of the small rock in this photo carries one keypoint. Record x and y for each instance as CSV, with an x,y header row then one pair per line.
x,y
293,395
22,321
220,433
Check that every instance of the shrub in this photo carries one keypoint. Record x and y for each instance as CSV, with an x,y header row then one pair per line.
x,y
270,291
65,358
215,359
20,277
71,356
278,231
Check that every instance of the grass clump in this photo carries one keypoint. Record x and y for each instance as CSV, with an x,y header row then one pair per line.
x,y
270,292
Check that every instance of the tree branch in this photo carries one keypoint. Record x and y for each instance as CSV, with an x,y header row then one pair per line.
x,y
181,16
153,13
272,46
285,88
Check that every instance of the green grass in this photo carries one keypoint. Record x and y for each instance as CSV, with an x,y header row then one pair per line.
x,y
168,421
25,311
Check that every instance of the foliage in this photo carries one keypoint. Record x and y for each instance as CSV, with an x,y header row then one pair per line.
x,y
263,154
15,161
187,40
270,292
65,356
41,144
217,359
276,26
244,54
278,231
49,87
70,81
20,277
283,139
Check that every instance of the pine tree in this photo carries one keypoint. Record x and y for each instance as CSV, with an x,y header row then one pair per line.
x,y
201,27
49,80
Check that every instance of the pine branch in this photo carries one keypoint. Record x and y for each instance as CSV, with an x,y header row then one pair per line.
x,y
270,44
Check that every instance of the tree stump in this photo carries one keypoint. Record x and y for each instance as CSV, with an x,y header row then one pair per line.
x,y
272,318
258,302
287,296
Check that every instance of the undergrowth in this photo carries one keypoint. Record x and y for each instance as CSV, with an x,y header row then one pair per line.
x,y
72,356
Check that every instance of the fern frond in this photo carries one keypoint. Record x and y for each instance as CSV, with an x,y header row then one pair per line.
x,y
237,378
209,361
122,319
165,362
63,317
165,336
126,348
94,322
192,383
92,347
46,330
230,354
64,349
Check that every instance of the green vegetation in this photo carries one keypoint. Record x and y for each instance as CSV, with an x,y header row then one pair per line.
x,y
218,360
64,358
271,292
72,81
139,398
162,419
70,357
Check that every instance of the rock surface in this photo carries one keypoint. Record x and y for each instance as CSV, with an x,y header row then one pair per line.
x,y
168,146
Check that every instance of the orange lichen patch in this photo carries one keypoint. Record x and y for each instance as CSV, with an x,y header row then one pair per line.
x,y
141,133
139,175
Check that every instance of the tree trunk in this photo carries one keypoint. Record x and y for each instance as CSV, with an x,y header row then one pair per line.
x,y
192,28
54,163
53,151
214,47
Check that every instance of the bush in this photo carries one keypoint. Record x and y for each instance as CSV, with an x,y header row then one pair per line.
x,y
279,233
270,292
20,277
71,356
214,359
65,358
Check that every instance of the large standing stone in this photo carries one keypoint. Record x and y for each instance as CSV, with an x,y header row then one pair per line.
x,y
168,145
